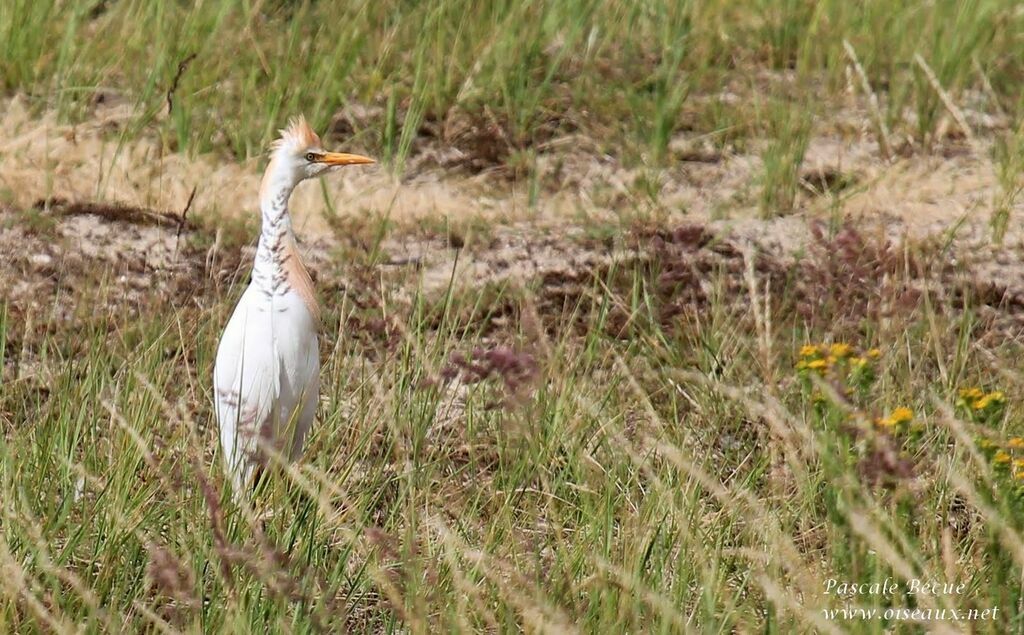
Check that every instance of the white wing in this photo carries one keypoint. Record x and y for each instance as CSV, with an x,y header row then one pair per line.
x,y
266,380
300,385
246,385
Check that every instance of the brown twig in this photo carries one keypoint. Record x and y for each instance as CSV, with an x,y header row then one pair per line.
x,y
182,67
183,219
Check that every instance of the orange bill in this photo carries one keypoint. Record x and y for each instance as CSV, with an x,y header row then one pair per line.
x,y
341,158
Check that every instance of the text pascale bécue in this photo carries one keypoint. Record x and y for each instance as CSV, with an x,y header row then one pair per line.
x,y
889,586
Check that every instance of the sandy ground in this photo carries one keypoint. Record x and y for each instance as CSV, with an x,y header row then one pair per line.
x,y
40,157
947,193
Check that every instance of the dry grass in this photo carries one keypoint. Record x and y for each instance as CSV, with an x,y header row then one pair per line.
x,y
657,317
627,448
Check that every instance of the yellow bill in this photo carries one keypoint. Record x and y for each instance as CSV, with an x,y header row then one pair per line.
x,y
341,158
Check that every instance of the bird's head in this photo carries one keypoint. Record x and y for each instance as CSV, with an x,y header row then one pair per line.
x,y
299,155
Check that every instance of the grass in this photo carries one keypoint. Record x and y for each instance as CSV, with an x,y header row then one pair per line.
x,y
619,72
630,458
782,160
503,82
691,440
1009,160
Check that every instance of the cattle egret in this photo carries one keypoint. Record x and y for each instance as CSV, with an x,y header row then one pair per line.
x,y
267,375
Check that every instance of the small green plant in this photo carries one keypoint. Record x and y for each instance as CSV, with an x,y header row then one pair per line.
x,y
780,177
878,445
852,371
1009,159
1006,459
981,407
33,220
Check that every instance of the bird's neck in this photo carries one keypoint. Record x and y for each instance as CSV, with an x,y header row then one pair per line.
x,y
275,190
278,268
276,237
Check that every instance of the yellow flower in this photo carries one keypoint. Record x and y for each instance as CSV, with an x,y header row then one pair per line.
x,y
832,360
860,362
885,422
808,350
1018,464
980,400
816,364
1001,457
971,393
987,443
874,353
1016,443
840,350
901,415
1019,475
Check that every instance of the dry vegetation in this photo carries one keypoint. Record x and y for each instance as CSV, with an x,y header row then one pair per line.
x,y
659,315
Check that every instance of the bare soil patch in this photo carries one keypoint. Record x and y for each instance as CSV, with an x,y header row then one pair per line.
x,y
86,210
128,261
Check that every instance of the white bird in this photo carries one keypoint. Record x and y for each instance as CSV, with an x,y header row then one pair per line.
x,y
267,375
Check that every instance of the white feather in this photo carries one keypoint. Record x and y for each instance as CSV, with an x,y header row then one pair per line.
x,y
266,380
267,374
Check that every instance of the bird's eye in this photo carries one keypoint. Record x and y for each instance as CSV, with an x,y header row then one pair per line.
x,y
310,157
